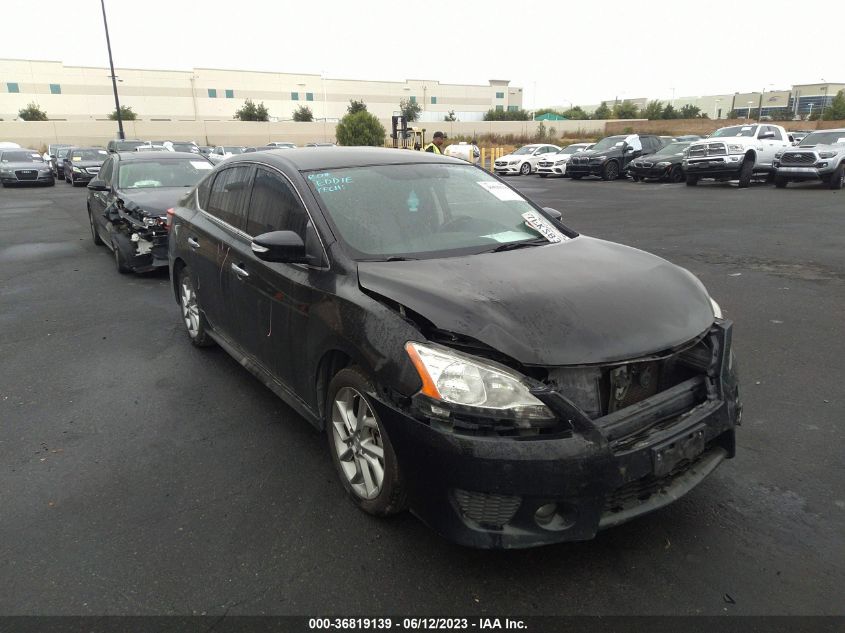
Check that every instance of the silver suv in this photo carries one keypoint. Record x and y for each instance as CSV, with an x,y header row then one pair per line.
x,y
819,156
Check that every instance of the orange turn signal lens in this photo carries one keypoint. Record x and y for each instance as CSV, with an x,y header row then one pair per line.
x,y
428,386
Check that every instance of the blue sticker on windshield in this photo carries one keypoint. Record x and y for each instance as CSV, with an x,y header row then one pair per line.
x,y
326,183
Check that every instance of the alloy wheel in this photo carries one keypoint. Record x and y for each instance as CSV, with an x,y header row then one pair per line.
x,y
190,308
358,442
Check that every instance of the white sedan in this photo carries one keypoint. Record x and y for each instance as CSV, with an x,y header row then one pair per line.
x,y
224,151
524,160
555,164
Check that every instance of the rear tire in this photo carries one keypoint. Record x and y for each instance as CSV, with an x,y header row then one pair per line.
x,y
195,324
610,171
837,178
781,182
745,173
361,451
692,180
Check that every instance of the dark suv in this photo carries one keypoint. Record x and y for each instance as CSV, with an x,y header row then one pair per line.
x,y
609,158
468,355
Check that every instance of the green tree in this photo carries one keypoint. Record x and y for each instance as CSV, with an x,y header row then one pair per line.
x,y
506,115
576,114
541,135
836,110
652,110
126,114
733,114
625,110
450,116
602,112
32,113
542,111
303,114
690,111
669,112
360,128
251,112
356,106
410,110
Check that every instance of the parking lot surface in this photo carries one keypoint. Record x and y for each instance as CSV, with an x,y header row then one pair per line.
x,y
140,475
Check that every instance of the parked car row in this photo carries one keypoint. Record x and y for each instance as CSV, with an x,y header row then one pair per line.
x,y
739,152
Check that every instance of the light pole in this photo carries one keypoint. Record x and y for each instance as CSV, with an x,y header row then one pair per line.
x,y
325,105
716,108
748,114
824,102
120,133
760,109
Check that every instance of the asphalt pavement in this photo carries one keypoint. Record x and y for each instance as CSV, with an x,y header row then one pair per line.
x,y
140,475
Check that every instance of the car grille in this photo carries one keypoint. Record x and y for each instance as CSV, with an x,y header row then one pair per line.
x,y
92,170
708,149
798,158
646,165
501,163
27,174
486,508
545,163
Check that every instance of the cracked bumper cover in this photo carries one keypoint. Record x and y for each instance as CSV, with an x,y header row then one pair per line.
x,y
593,480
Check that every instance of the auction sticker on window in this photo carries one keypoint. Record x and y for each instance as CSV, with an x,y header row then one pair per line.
x,y
201,164
500,190
543,227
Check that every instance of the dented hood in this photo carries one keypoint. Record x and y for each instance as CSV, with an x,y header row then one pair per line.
x,y
153,201
577,302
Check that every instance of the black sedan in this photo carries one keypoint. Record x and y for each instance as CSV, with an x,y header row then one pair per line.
x,y
469,356
82,164
24,167
129,200
665,164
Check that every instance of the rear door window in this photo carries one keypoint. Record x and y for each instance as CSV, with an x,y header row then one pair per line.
x,y
230,194
106,171
274,205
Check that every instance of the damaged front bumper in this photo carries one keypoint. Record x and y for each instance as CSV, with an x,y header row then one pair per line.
x,y
141,237
597,472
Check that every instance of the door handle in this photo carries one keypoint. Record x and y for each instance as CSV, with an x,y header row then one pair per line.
x,y
240,272
193,243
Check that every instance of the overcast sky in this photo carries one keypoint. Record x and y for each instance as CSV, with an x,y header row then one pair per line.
x,y
558,51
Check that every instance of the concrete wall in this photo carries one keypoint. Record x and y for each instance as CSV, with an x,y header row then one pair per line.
x,y
37,133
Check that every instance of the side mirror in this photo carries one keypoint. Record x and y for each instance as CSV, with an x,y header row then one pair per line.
x,y
280,246
629,150
557,215
98,185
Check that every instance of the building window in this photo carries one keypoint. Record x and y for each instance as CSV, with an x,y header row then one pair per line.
x,y
413,99
309,96
230,94
500,95
212,93
513,108
294,96
434,101
500,108
12,87
55,89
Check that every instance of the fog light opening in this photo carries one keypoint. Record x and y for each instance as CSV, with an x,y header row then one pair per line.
x,y
551,517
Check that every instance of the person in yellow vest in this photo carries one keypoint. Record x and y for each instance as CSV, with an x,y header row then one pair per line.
x,y
436,143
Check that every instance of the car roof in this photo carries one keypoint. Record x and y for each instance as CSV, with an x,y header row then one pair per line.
x,y
340,157
156,156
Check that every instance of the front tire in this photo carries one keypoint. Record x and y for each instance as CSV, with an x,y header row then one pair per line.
x,y
360,449
610,171
195,323
781,182
525,169
745,173
577,176
542,175
98,241
837,178
676,174
119,260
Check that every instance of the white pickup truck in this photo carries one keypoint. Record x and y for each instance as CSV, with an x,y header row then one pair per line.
x,y
737,152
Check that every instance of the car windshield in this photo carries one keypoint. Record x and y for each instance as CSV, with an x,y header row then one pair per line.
x,y
610,141
671,149
421,210
173,172
127,146
61,153
571,149
90,154
736,130
21,156
233,150
528,149
823,138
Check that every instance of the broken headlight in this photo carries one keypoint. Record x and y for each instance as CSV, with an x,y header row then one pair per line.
x,y
472,386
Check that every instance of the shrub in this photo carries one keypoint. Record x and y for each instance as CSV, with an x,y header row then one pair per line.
x,y
360,128
410,110
506,115
32,112
303,114
356,106
126,114
251,112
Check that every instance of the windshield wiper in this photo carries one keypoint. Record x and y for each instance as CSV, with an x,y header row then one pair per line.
x,y
509,246
392,258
